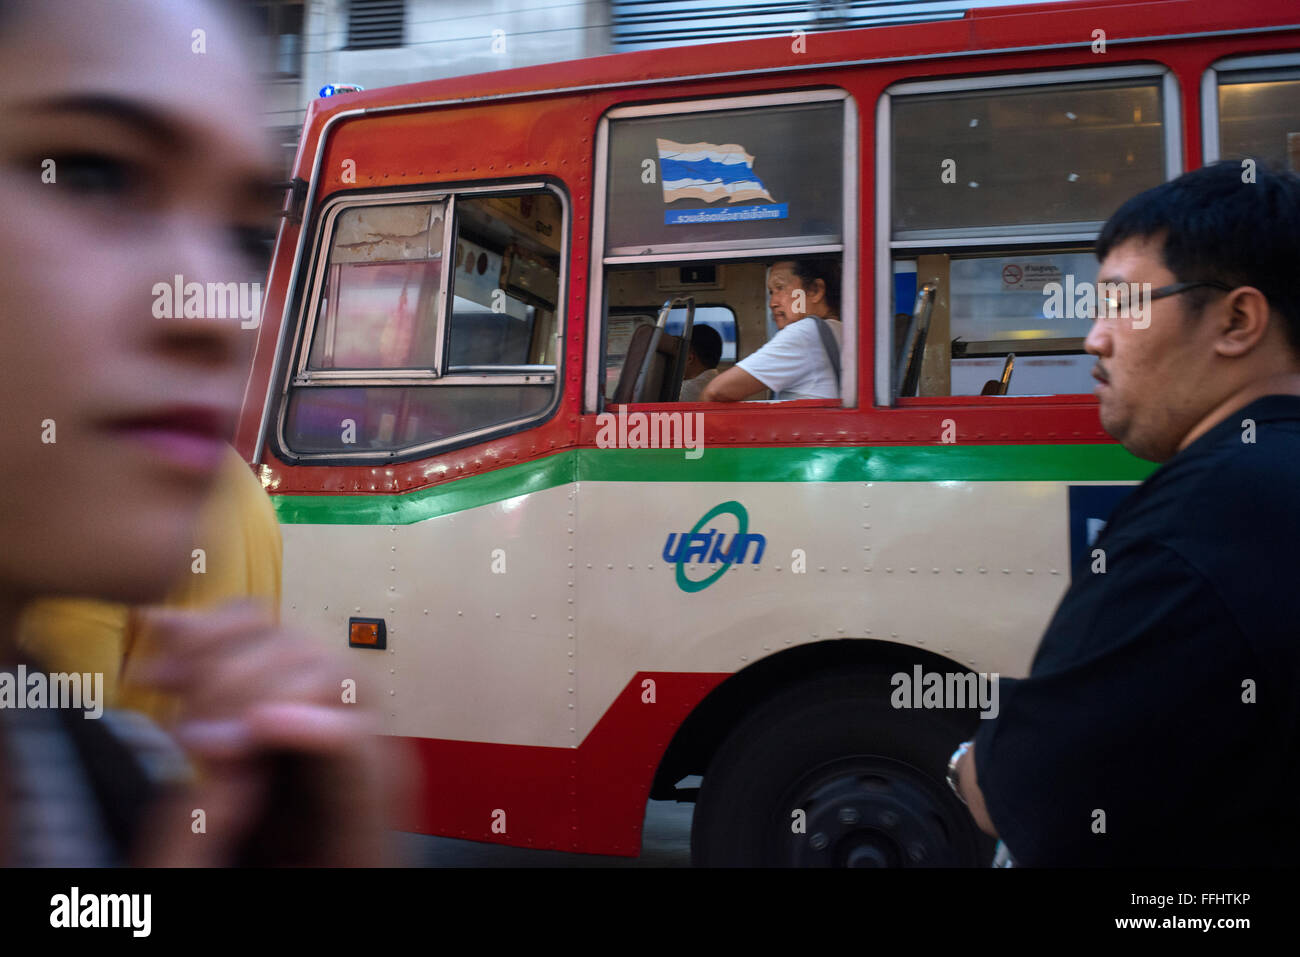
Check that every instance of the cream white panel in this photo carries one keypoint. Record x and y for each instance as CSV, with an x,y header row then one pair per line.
x,y
970,570
472,655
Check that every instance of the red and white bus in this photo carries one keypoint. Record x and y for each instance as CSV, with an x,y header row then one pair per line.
x,y
567,605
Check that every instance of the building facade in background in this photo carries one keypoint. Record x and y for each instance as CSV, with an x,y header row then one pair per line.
x,y
307,44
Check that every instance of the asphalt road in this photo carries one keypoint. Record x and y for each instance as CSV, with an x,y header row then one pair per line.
x,y
666,842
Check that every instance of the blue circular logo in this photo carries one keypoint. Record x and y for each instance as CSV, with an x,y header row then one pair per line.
x,y
742,529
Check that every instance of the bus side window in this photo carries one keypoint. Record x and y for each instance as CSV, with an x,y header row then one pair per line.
x,y
996,198
395,366
1259,110
701,198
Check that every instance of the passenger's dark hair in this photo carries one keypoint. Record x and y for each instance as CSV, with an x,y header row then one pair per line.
x,y
706,343
1216,224
828,271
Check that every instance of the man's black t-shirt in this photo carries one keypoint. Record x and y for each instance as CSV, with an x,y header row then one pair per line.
x,y
1160,722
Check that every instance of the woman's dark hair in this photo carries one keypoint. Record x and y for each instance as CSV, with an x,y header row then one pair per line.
x,y
828,271
1230,221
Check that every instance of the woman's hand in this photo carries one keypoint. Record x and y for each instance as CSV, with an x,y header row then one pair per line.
x,y
288,774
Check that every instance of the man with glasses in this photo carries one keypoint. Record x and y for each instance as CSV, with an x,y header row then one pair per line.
x,y
1160,722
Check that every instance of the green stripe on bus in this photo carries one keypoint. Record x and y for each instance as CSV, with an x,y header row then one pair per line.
x,y
926,463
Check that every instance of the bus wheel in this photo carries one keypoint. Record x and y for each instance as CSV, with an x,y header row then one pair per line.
x,y
828,774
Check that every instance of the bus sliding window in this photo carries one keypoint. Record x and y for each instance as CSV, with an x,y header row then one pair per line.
x,y
380,297
505,283
998,187
967,161
997,306
1259,116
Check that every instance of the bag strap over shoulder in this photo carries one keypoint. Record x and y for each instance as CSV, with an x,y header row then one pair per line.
x,y
831,346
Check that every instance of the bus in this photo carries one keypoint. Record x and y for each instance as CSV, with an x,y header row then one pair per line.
x,y
569,593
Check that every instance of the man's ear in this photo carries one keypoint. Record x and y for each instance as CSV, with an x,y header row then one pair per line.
x,y
817,291
1248,321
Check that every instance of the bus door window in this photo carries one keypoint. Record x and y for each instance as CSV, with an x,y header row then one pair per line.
x,y
381,289
996,197
506,282
396,363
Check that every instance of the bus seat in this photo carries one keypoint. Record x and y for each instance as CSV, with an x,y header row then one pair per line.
x,y
657,378
999,385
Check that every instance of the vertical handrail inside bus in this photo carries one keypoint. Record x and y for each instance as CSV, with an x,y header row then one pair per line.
x,y
678,370
653,348
1007,368
908,371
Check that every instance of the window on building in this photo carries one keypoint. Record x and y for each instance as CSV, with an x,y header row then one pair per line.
x,y
279,27
374,24
285,139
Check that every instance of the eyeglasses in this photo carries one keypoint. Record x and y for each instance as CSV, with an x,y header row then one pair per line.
x,y
1178,287
1117,304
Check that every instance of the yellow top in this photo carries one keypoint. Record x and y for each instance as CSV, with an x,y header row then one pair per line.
x,y
241,555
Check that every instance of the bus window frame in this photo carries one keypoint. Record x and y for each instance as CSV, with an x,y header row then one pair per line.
x,y
294,375
1008,238
1210,85
593,400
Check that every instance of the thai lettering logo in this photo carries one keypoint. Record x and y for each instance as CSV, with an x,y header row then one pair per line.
x,y
713,547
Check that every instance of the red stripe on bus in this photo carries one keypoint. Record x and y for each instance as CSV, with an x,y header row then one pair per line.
x,y
590,798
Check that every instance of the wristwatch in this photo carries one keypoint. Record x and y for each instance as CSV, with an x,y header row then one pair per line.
x,y
954,781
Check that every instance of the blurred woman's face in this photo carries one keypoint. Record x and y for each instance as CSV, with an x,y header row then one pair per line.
x,y
127,158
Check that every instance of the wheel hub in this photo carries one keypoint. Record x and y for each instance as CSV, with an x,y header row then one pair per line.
x,y
868,811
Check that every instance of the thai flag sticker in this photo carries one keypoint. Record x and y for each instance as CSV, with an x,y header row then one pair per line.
x,y
713,173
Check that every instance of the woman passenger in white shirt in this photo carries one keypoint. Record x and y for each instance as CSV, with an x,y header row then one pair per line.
x,y
793,363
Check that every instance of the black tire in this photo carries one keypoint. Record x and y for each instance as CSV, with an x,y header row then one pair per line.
x,y
870,779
